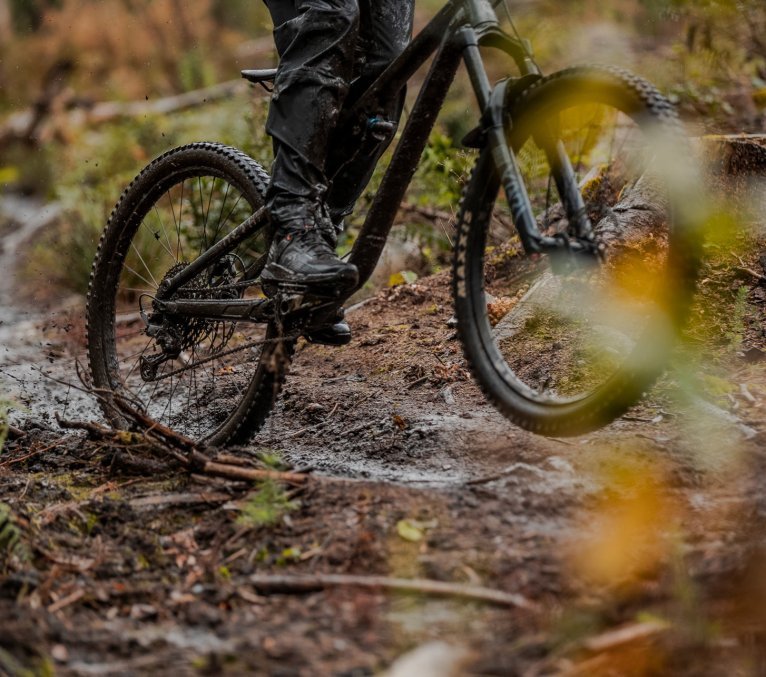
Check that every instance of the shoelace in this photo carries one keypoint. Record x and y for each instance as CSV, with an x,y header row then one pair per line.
x,y
313,241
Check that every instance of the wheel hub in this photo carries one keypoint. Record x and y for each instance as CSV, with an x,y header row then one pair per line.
x,y
174,334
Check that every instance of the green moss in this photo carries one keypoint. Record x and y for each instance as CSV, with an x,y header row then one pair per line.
x,y
266,506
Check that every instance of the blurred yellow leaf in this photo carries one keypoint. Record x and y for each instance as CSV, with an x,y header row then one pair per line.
x,y
628,535
402,277
9,174
409,531
291,553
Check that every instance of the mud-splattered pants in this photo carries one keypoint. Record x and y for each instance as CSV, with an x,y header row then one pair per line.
x,y
324,46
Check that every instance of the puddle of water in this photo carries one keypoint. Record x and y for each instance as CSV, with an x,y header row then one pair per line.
x,y
22,349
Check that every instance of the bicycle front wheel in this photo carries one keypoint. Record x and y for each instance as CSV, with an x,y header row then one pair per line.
x,y
213,381
564,351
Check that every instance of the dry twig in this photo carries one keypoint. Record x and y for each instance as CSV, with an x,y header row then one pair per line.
x,y
311,583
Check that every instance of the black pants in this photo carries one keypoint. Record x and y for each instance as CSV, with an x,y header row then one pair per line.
x,y
323,46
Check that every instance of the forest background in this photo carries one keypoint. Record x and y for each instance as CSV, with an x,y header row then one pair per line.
x,y
60,59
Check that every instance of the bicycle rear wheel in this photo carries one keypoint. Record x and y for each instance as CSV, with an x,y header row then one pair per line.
x,y
219,381
563,353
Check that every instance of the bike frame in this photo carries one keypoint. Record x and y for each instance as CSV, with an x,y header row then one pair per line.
x,y
455,34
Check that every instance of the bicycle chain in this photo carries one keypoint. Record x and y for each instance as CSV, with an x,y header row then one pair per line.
x,y
223,287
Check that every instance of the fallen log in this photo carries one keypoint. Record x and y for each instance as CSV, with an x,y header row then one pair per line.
x,y
736,154
110,111
25,126
32,125
175,500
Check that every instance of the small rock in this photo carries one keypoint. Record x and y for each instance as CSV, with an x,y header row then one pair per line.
x,y
447,395
59,653
561,465
142,611
435,659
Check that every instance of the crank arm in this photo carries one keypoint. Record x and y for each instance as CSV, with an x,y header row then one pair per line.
x,y
240,310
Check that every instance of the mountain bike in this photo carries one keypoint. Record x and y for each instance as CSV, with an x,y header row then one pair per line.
x,y
575,251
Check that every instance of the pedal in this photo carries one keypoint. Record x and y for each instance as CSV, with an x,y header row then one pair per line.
x,y
319,292
273,289
320,313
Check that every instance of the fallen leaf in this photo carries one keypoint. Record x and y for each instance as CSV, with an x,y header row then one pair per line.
x,y
409,531
399,422
402,277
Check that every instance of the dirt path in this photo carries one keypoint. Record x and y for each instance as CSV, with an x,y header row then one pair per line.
x,y
646,526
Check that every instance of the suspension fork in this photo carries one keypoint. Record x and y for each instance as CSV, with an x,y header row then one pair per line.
x,y
494,102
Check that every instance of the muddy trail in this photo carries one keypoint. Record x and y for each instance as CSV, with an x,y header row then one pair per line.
x,y
637,549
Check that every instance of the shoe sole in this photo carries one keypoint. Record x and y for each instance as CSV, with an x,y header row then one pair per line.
x,y
276,278
337,340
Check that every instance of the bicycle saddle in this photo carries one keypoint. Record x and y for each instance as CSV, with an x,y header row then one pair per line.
x,y
259,76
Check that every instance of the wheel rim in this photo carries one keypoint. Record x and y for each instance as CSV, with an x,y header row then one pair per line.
x,y
196,391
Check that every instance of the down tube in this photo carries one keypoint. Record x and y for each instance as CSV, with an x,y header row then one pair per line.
x,y
372,238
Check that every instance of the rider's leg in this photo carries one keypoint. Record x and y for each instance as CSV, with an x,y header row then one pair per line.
x,y
385,30
315,40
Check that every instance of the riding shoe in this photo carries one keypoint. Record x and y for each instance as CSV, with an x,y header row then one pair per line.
x,y
304,257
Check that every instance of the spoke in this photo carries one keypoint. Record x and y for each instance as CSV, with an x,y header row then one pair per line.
x,y
165,233
132,334
136,354
138,289
156,236
181,206
220,213
141,258
210,201
231,211
202,207
194,384
135,364
178,228
141,277
169,406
